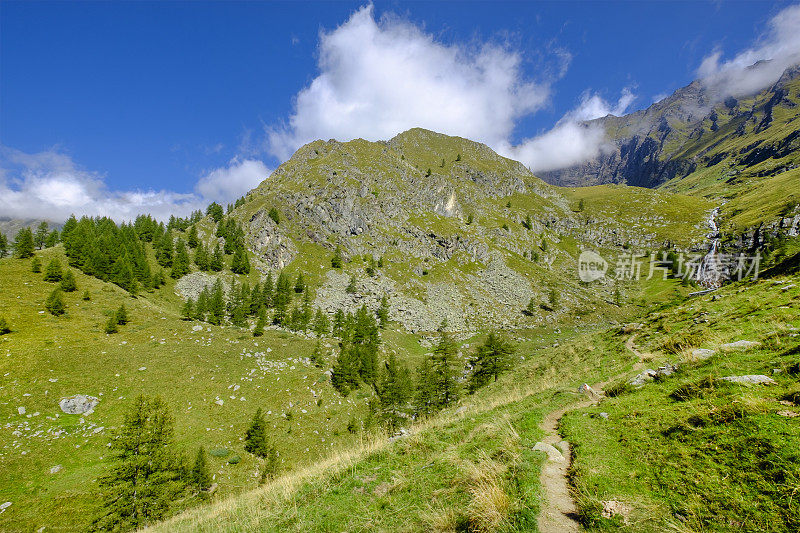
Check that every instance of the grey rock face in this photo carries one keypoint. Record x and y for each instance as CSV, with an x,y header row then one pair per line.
x,y
79,404
739,345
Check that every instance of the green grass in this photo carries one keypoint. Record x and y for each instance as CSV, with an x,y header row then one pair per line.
x,y
691,452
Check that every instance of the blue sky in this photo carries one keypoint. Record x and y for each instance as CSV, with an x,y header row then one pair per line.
x,y
161,107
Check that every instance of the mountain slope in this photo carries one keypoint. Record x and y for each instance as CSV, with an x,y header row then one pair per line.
x,y
735,150
465,234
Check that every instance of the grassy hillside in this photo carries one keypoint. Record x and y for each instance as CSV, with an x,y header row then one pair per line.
x,y
46,358
688,452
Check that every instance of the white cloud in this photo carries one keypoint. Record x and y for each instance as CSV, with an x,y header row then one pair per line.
x,y
571,140
51,186
378,78
226,184
760,65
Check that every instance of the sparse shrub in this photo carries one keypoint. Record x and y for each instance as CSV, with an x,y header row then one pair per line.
x,y
505,226
4,327
234,460
682,341
86,295
351,287
489,505
698,389
274,215
219,452
618,389
470,219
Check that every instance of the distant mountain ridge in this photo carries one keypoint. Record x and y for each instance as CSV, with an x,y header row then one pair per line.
x,y
670,139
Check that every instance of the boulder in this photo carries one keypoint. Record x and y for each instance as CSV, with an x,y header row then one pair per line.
x,y
752,379
553,454
640,379
739,345
79,404
21,410
702,354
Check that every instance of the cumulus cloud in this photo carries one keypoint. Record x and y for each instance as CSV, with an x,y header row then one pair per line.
x,y
226,184
50,185
760,65
573,139
380,77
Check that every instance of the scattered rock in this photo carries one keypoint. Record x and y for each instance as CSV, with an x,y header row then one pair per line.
x,y
4,506
219,402
739,345
142,368
197,328
553,454
56,469
614,507
563,446
627,329
79,404
604,415
788,414
702,354
752,379
640,379
788,287
666,370
21,410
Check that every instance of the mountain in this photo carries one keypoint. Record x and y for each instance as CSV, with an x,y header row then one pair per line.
x,y
744,151
466,235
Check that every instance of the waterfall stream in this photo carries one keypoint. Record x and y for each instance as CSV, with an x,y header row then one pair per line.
x,y
711,271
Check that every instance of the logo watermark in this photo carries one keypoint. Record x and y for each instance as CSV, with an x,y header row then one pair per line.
x,y
711,269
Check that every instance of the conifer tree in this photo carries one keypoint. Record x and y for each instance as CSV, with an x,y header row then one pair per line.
x,y
316,355
165,251
214,210
144,477
192,240
187,311
530,310
121,315
240,264
260,324
52,239
425,397
255,439
68,282
322,324
201,478
180,265
282,298
491,359
201,306
338,323
216,304
445,370
552,298
23,244
344,374
393,389
217,260
256,302
299,284
36,265
383,311
201,258
54,303
86,296
336,260
112,326
3,245
40,237
268,291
